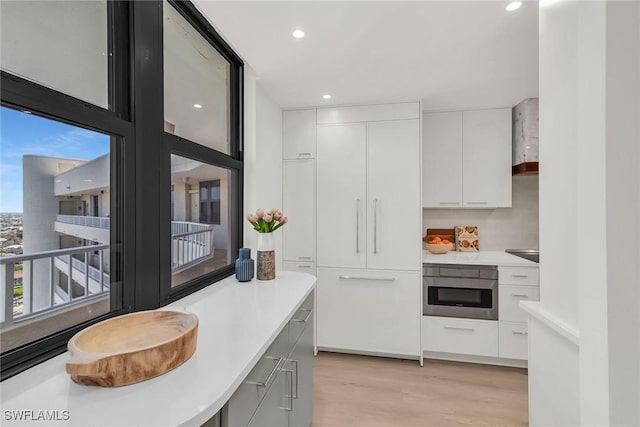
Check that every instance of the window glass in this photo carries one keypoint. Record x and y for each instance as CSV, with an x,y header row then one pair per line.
x,y
55,226
59,44
201,226
196,85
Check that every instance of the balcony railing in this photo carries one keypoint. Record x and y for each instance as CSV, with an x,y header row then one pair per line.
x,y
51,288
87,221
192,243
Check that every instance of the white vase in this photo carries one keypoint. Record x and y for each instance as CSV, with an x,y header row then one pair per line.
x,y
265,242
266,257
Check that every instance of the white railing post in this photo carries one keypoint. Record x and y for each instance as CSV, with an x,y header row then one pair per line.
x,y
70,278
7,293
52,281
101,271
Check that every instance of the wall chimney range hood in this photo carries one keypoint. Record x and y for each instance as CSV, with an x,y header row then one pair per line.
x,y
525,137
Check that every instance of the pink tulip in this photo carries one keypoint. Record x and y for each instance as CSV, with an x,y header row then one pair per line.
x,y
268,217
260,213
274,211
277,216
253,217
283,220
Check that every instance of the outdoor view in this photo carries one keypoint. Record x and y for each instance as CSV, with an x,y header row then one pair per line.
x,y
54,236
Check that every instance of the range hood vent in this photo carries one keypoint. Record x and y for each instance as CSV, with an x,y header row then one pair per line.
x,y
525,137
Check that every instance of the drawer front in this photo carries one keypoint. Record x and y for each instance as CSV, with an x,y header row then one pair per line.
x,y
247,397
518,276
462,336
513,340
301,319
302,266
509,298
374,311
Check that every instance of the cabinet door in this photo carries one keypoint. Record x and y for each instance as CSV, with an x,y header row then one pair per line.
x,y
394,211
299,205
341,190
442,160
486,158
299,134
375,311
301,363
277,403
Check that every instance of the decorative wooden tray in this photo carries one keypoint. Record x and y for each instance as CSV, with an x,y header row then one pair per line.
x,y
132,348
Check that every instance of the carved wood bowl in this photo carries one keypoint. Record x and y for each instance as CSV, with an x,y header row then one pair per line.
x,y
438,248
132,348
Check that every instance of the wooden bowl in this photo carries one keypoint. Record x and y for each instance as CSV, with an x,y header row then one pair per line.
x,y
438,248
132,348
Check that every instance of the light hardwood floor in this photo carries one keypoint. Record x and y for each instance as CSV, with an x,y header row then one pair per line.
x,y
362,391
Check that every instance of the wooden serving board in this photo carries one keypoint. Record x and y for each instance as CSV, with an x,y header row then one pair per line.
x,y
443,233
132,348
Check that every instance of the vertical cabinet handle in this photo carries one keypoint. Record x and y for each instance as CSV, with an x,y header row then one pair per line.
x,y
357,226
295,382
375,226
289,391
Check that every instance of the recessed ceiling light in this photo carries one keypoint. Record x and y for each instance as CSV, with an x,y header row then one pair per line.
x,y
327,96
514,5
197,106
298,34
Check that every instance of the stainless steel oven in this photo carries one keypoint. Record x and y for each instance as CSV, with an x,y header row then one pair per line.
x,y
453,290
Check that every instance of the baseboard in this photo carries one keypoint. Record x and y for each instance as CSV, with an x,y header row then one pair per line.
x,y
369,353
514,363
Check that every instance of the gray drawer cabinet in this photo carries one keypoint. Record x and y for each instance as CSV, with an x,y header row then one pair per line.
x,y
278,392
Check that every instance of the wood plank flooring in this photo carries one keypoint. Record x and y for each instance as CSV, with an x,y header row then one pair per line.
x,y
362,391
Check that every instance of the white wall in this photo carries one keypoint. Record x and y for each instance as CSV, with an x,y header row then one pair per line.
x,y
263,158
499,229
589,197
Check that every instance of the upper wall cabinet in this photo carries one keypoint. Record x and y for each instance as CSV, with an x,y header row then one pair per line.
x,y
299,134
467,159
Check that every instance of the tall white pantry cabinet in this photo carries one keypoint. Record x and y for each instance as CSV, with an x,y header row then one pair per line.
x,y
368,225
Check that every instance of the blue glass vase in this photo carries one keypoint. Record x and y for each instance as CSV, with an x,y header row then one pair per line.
x,y
244,266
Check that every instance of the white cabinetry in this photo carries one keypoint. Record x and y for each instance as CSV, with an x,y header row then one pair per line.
x,y
369,214
375,311
515,284
299,190
460,336
442,160
299,134
342,192
467,159
299,204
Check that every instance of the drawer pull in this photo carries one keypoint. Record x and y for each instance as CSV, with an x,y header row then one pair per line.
x,y
477,203
306,318
520,276
519,333
273,371
456,328
378,279
450,203
304,257
520,295
304,154
304,266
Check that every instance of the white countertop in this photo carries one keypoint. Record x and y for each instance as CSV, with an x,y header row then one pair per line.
x,y
477,258
238,322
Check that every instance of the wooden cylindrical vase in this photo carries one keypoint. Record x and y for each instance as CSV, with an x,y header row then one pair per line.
x,y
266,257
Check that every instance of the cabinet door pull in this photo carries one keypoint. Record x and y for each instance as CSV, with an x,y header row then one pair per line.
x,y
520,276
306,318
304,154
449,203
375,226
304,257
270,376
357,226
520,295
289,392
456,328
378,279
477,203
295,372
519,333
304,266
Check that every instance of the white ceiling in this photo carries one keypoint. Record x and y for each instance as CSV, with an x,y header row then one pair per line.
x,y
450,54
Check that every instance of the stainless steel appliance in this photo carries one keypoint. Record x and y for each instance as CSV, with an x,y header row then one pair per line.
x,y
530,254
453,290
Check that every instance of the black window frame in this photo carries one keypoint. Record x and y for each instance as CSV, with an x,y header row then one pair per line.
x,y
140,161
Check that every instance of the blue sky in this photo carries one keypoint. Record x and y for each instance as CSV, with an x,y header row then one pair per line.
x,y
22,133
